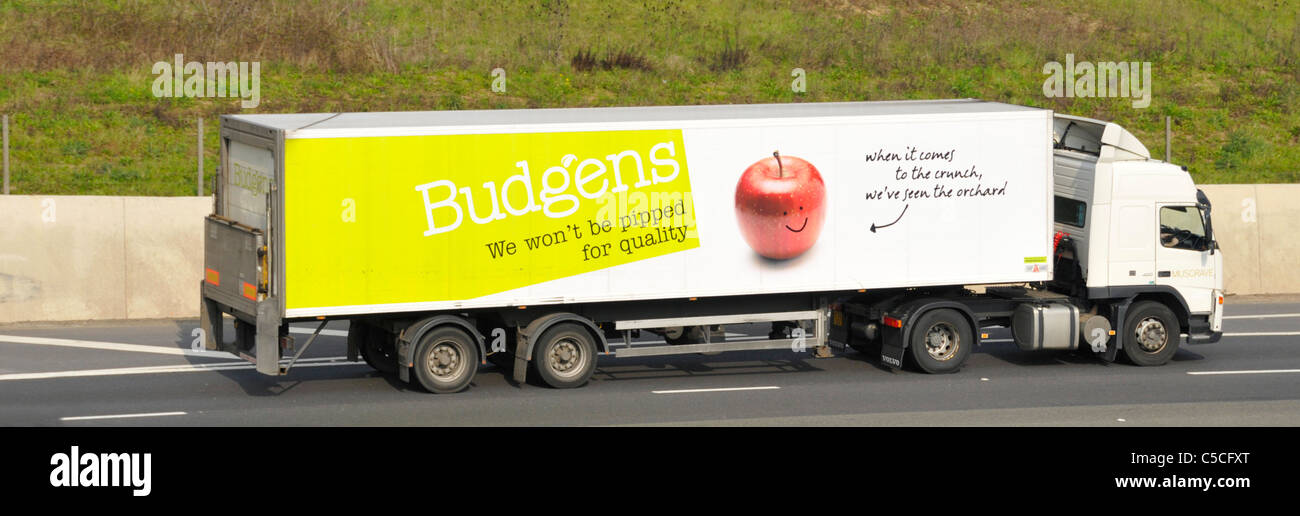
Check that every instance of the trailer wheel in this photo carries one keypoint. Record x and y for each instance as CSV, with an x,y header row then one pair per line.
x,y
379,350
941,341
1151,334
446,360
678,335
565,356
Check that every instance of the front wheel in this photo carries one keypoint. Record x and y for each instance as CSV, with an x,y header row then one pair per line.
x,y
446,360
941,341
1151,334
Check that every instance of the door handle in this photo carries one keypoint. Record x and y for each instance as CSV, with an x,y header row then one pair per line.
x,y
1163,274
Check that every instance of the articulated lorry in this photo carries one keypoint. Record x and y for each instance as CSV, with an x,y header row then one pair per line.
x,y
543,239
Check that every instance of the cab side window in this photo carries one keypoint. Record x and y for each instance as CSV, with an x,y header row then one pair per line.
x,y
1070,211
1181,227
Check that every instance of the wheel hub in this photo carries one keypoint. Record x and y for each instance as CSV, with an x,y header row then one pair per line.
x,y
566,357
941,341
1151,335
444,360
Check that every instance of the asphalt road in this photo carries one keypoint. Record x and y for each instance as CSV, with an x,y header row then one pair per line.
x,y
123,374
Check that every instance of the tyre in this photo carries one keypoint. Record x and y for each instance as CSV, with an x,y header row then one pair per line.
x,y
565,356
679,335
1151,333
446,360
377,348
941,341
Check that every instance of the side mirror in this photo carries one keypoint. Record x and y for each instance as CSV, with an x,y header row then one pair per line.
x,y
1203,203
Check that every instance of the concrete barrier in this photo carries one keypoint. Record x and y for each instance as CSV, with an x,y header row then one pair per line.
x,y
88,257
77,258
1257,227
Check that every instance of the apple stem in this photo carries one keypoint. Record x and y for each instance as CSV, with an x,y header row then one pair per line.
x,y
780,171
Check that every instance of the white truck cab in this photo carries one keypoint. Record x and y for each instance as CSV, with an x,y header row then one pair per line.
x,y
1133,228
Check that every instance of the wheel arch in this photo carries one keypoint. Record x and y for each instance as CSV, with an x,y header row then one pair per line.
x,y
1174,303
896,340
914,310
539,326
415,331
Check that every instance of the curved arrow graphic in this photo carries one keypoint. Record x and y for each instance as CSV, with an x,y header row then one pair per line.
x,y
900,217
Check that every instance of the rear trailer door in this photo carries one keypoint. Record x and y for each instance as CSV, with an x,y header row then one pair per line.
x,y
239,247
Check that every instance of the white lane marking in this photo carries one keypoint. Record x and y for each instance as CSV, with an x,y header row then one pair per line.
x,y
115,346
1260,316
121,416
728,389
1262,334
1256,371
141,348
309,331
188,368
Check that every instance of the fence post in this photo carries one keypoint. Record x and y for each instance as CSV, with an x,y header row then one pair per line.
x,y
1168,118
6,153
199,182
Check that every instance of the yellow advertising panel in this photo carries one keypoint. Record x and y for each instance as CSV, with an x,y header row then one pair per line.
x,y
407,219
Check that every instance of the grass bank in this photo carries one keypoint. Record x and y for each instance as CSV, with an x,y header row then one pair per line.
x,y
76,78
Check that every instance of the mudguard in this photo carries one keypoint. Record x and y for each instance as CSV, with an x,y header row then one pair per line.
x,y
895,340
413,333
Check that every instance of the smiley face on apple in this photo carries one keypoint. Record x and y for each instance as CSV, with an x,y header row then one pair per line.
x,y
780,206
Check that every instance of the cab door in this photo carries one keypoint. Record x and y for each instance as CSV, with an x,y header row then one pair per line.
x,y
1183,259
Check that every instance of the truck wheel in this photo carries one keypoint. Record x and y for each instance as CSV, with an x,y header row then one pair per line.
x,y
941,341
379,350
1151,334
446,360
565,356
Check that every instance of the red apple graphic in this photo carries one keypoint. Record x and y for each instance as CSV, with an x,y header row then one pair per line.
x,y
780,205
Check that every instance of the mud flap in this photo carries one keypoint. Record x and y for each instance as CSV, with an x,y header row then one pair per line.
x,y
404,357
892,347
520,375
1114,344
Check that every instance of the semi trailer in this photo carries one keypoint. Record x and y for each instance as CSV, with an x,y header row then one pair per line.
x,y
543,239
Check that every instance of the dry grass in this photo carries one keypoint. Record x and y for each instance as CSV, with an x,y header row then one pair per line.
x,y
586,60
327,35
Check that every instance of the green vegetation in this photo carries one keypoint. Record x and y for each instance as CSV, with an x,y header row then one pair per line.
x,y
76,77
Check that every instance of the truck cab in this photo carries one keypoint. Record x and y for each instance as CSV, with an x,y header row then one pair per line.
x,y
1131,228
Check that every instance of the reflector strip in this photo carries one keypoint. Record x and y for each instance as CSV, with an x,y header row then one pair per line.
x,y
249,291
212,277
